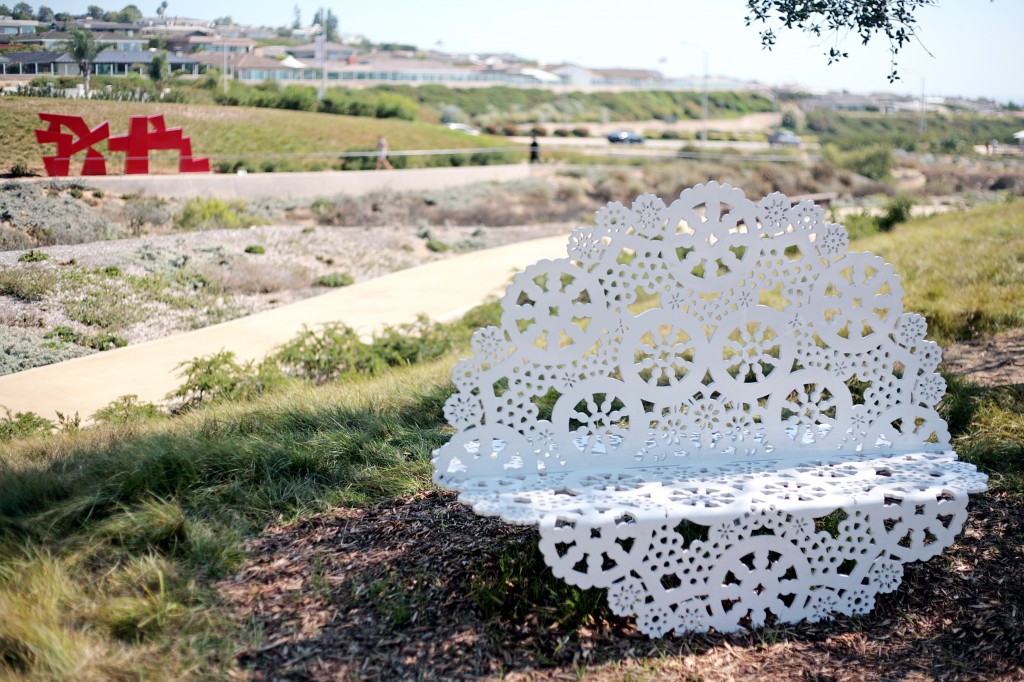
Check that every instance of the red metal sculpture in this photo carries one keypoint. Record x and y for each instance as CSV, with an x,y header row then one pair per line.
x,y
145,134
68,145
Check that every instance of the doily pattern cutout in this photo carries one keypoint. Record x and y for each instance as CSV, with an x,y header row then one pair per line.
x,y
714,410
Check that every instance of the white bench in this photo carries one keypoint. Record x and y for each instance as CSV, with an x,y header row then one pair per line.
x,y
715,411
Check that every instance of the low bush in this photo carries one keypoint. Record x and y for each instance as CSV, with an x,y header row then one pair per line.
x,y
103,341
872,161
38,217
29,283
411,343
255,249
896,211
127,410
27,348
436,245
221,377
327,353
201,213
140,212
335,279
370,103
20,169
22,425
33,256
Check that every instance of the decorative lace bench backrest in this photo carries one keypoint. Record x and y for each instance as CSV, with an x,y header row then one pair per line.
x,y
688,401
711,329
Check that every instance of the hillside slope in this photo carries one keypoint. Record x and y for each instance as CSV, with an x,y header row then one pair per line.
x,y
265,139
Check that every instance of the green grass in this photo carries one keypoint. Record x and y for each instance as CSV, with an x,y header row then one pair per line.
x,y
110,537
227,134
963,271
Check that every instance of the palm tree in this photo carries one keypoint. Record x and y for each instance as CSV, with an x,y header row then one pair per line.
x,y
83,48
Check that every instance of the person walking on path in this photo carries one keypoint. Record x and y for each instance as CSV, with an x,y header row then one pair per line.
x,y
534,150
382,154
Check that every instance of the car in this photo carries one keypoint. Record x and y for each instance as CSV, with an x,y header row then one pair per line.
x,y
463,128
784,138
626,137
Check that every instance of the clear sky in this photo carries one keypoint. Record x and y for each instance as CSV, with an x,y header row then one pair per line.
x,y
976,46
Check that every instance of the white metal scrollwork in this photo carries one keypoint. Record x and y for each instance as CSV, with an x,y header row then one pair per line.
x,y
714,410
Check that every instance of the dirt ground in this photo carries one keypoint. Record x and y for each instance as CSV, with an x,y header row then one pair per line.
x,y
990,361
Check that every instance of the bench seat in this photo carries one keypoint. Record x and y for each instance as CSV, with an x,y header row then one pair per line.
x,y
715,411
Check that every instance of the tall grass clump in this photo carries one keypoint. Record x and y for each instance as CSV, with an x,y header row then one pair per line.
x,y
110,537
962,271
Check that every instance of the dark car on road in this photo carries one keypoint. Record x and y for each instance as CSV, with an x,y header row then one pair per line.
x,y
625,137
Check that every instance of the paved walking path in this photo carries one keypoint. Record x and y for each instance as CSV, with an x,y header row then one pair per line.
x,y
442,290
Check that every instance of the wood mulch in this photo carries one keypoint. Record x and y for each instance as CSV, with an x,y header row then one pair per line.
x,y
384,593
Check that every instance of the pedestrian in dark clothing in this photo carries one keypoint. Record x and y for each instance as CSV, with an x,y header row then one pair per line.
x,y
534,150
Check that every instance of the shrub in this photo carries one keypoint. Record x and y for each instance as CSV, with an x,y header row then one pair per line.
x,y
33,256
370,103
213,214
255,249
539,131
127,410
27,283
22,425
103,341
411,343
325,354
873,161
140,211
860,225
436,245
335,279
27,348
63,335
581,132
20,169
895,212
221,377
298,98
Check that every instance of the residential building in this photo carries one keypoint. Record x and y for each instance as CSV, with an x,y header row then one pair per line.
x,y
51,40
175,26
203,42
117,63
333,52
13,27
34,63
254,68
96,26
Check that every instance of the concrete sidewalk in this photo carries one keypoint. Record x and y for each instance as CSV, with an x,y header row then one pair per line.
x,y
442,290
298,185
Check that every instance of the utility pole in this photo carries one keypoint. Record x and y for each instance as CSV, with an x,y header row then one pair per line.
x,y
921,122
322,44
224,72
704,97
704,104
